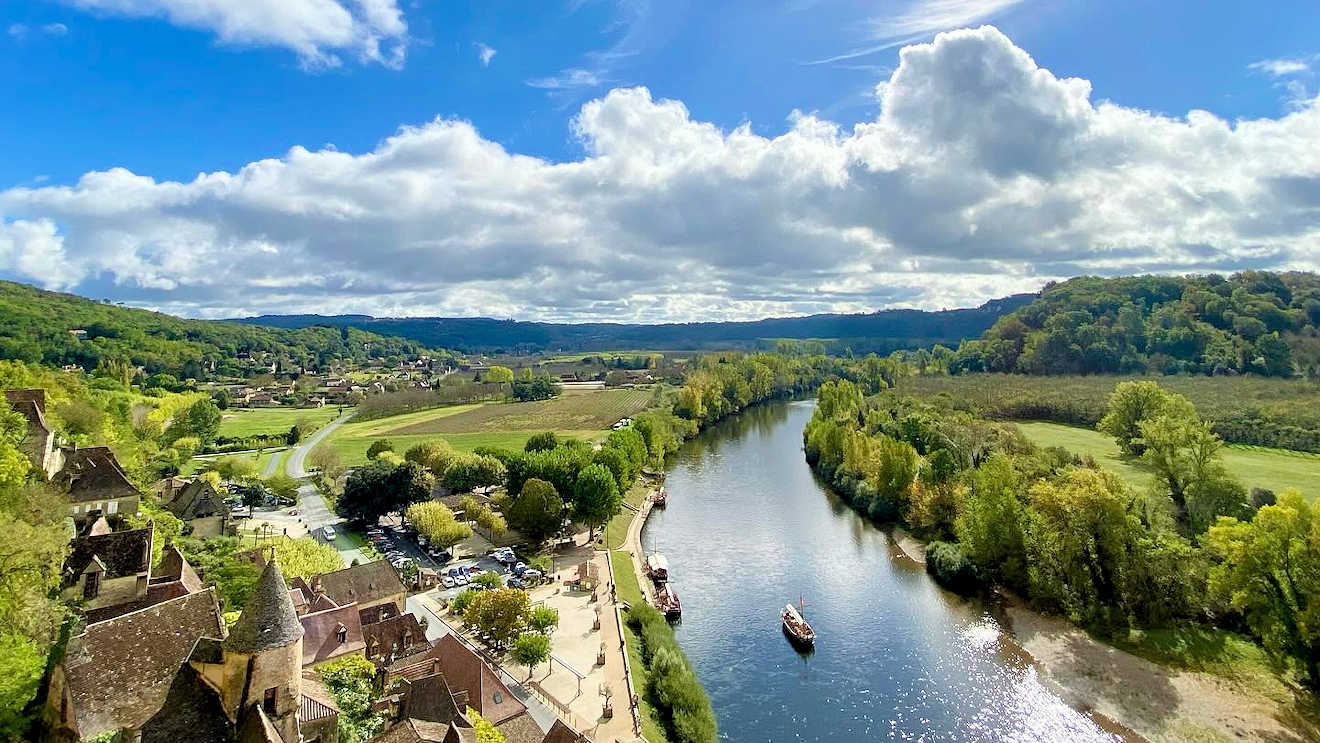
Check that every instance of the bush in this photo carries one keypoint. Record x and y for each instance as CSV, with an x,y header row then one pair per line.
x,y
947,564
464,599
673,687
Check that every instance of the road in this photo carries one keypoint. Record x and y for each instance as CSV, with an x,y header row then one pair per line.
x,y
312,508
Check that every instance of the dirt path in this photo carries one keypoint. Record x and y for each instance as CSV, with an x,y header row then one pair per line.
x,y
1158,703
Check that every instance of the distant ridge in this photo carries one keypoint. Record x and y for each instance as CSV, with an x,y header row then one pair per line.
x,y
881,331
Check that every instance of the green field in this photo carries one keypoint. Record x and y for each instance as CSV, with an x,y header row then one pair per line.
x,y
1275,469
240,423
585,412
353,449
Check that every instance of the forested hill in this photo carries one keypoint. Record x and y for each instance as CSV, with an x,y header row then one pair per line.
x,y
1252,322
882,331
57,329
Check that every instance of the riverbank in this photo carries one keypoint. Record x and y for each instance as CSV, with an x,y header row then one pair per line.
x,y
1142,699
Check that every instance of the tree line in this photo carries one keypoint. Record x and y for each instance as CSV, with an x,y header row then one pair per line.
x,y
1072,538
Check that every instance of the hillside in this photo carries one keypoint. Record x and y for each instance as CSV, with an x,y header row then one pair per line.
x,y
882,331
1252,322
56,329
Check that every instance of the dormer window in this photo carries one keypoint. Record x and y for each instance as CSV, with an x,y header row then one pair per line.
x,y
341,633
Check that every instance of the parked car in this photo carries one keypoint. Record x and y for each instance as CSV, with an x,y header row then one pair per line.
x,y
447,582
328,532
519,568
474,571
515,582
439,555
531,576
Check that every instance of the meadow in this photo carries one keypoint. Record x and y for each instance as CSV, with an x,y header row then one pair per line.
x,y
1274,469
237,423
506,425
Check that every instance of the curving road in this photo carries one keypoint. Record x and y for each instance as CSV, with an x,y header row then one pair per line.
x,y
313,510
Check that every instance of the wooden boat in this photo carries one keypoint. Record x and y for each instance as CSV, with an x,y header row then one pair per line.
x,y
660,498
666,600
796,627
657,567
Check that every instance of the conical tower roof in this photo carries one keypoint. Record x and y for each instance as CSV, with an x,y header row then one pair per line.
x,y
269,620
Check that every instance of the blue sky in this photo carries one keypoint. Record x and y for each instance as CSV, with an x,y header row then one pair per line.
x,y
168,89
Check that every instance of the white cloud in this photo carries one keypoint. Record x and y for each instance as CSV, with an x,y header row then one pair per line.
x,y
318,31
983,175
575,77
485,54
926,16
21,30
1281,67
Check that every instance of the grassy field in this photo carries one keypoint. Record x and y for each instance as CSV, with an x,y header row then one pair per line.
x,y
1255,466
625,582
616,531
238,423
586,412
353,449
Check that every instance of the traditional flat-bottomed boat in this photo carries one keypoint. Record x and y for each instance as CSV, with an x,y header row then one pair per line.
x,y
796,627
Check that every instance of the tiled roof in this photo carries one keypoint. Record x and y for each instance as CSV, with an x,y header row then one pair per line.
x,y
378,613
136,655
31,404
317,701
362,584
466,672
122,553
430,698
269,619
521,729
561,733
398,634
321,634
192,711
197,499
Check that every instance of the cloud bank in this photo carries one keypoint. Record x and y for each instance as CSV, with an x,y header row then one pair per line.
x,y
983,174
318,31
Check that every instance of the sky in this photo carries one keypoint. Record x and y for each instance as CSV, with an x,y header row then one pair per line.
x,y
639,161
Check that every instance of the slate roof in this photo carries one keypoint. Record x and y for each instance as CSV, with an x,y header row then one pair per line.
x,y
269,619
321,634
92,474
136,655
521,729
378,613
176,579
192,711
120,553
430,698
31,404
362,584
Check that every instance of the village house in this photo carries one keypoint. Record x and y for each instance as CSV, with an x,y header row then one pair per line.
x,y
441,681
367,585
109,573
197,503
40,443
171,672
96,484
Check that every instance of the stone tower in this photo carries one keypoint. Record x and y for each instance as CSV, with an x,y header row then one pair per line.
x,y
263,655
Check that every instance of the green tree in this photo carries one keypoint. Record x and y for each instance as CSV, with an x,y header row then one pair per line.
x,y
990,521
201,419
306,557
379,446
252,494
538,511
435,455
471,471
350,680
485,730
596,497
531,649
544,441
498,374
234,468
1129,405
1269,570
434,520
500,615
380,488
283,486
543,619
1184,453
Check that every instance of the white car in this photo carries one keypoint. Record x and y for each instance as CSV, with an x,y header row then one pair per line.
x,y
329,533
447,582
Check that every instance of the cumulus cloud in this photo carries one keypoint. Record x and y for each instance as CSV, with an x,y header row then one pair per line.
x,y
318,31
984,174
485,54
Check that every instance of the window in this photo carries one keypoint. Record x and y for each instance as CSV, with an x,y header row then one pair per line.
x,y
342,634
112,506
268,703
91,585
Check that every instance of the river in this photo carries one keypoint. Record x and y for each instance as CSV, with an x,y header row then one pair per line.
x,y
748,528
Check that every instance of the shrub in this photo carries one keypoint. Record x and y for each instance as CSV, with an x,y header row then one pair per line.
x,y
947,564
673,687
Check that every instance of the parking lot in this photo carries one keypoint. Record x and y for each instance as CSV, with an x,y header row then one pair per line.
x,y
397,543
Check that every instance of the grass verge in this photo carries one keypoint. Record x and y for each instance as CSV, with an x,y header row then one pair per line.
x,y
625,583
616,531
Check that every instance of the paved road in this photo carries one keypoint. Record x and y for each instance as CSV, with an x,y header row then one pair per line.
x,y
313,510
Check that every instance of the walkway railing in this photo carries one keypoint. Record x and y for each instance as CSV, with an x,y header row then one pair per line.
x,y
627,664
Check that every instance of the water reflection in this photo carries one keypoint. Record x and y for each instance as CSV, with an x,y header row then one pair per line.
x,y
749,528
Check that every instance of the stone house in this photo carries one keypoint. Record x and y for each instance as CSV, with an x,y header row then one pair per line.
x,y
172,672
197,503
110,573
40,443
367,585
96,484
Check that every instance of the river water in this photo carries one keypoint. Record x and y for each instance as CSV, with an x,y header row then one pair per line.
x,y
748,528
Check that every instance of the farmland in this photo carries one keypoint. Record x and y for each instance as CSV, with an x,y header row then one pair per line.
x,y
240,423
503,425
1275,469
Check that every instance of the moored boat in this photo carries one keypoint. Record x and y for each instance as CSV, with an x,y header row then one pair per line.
x,y
796,627
666,600
657,567
661,497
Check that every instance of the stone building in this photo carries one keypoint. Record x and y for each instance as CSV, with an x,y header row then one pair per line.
x,y
197,503
368,585
96,484
39,444
171,672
